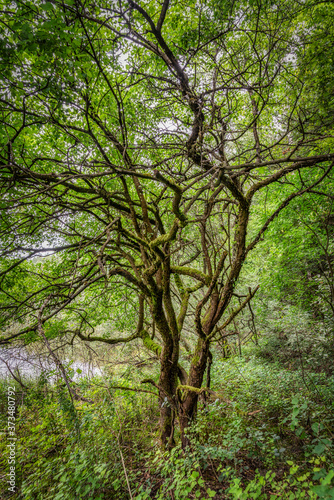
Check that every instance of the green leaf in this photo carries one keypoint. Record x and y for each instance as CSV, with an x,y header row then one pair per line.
x,y
211,493
328,478
47,6
320,448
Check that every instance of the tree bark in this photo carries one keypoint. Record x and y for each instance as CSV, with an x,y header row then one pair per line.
x,y
188,405
167,393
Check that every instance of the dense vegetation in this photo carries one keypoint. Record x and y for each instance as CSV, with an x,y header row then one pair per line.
x,y
167,215
266,432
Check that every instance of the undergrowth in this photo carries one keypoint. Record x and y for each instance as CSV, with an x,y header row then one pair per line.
x,y
266,432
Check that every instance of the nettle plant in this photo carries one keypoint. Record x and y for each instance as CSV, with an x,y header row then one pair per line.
x,y
136,141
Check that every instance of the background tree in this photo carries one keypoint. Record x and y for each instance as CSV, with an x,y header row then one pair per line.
x,y
137,140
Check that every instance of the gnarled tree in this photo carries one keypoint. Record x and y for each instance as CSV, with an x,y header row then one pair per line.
x,y
136,140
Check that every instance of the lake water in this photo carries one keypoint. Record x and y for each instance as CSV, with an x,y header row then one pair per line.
x,y
31,366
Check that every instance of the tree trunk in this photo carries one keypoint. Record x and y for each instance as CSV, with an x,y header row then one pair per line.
x,y
188,405
166,424
167,393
